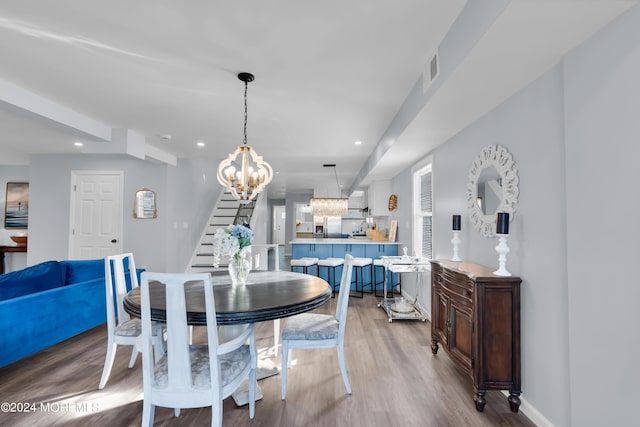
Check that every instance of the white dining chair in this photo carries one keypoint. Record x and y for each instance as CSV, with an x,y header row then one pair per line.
x,y
192,376
121,328
313,330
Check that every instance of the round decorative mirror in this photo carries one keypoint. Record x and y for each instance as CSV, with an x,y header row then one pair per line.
x,y
492,187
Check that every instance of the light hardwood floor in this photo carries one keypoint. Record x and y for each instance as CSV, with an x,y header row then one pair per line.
x,y
396,381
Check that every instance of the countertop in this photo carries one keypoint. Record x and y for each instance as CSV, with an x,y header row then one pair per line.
x,y
345,241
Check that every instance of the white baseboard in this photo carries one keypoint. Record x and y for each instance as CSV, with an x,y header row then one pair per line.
x,y
525,407
532,413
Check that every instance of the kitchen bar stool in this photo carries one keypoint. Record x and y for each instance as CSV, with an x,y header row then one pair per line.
x,y
358,266
304,263
331,264
378,263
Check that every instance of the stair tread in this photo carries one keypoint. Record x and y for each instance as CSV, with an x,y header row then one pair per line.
x,y
227,211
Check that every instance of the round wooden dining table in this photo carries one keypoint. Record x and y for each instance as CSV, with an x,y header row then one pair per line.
x,y
268,295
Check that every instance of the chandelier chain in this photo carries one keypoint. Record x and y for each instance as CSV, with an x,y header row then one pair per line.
x,y
246,86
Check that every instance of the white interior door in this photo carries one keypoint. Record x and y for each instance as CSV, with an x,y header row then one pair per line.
x,y
96,214
279,220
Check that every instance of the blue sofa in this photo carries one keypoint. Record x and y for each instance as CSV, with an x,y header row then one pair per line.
x,y
47,303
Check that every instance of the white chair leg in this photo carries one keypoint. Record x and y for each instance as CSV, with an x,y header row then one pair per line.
x,y
285,366
216,415
148,413
276,335
134,355
108,363
176,412
252,393
343,368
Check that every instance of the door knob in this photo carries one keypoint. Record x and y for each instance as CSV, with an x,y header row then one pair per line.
x,y
114,241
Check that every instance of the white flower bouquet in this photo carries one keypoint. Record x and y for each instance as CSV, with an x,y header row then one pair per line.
x,y
229,241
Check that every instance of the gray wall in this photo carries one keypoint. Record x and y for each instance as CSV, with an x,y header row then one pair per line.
x,y
602,113
530,125
185,195
574,135
193,191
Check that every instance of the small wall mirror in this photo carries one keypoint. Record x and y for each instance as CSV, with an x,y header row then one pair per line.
x,y
144,205
492,187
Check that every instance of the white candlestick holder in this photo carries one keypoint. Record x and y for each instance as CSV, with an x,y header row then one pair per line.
x,y
502,250
456,243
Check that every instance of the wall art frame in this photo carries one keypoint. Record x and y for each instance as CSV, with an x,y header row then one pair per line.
x,y
16,207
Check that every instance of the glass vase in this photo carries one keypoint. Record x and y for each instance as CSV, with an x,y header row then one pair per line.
x,y
239,266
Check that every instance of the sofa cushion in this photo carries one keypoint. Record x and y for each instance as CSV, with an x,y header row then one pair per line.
x,y
37,278
78,271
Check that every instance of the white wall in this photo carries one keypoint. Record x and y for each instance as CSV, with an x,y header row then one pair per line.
x,y
290,232
402,187
602,104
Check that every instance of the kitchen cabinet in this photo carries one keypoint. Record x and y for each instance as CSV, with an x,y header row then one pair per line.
x,y
356,201
337,248
475,317
311,250
379,192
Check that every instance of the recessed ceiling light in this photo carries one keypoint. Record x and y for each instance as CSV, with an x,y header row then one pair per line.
x,y
200,144
78,144
358,142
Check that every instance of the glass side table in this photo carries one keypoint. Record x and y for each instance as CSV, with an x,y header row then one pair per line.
x,y
401,308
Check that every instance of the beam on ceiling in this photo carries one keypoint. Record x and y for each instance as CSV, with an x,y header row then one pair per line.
x,y
37,105
472,23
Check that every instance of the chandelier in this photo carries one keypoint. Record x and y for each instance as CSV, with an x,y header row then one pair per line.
x,y
330,206
243,173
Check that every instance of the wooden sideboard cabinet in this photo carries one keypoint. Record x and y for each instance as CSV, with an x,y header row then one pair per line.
x,y
475,317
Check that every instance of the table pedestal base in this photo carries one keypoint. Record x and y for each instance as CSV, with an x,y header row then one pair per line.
x,y
266,368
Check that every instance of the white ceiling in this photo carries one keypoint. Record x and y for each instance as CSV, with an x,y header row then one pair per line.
x,y
327,74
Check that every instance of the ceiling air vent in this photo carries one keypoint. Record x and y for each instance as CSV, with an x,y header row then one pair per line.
x,y
430,71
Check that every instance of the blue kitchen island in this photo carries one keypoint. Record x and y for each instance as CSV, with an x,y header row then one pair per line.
x,y
337,248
